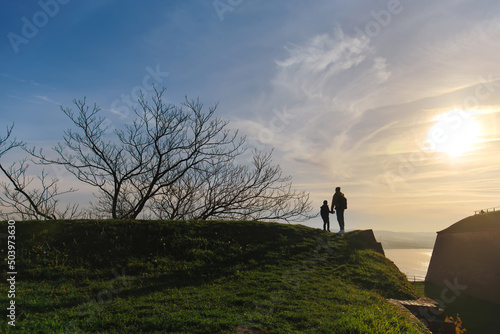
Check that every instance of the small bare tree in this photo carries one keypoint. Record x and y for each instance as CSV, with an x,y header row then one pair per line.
x,y
24,200
34,202
230,191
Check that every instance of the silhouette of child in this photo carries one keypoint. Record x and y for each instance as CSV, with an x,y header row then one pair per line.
x,y
325,214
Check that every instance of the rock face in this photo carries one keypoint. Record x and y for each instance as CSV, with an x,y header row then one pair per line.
x,y
368,238
466,258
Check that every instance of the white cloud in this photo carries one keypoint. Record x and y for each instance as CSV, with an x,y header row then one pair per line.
x,y
314,70
380,68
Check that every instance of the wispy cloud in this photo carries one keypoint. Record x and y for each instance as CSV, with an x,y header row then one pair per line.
x,y
24,99
30,82
46,99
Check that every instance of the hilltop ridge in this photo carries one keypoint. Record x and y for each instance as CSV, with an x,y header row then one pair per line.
x,y
204,277
480,222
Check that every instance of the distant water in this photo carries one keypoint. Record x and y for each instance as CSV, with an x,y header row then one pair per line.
x,y
412,262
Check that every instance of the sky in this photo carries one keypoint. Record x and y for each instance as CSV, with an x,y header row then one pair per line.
x,y
397,102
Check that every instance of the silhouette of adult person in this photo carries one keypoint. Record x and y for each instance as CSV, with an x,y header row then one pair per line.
x,y
325,214
339,204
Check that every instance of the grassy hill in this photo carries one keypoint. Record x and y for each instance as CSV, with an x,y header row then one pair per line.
x,y
200,277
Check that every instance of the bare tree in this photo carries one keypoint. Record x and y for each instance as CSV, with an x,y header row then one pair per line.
x,y
162,144
230,191
34,202
173,162
24,200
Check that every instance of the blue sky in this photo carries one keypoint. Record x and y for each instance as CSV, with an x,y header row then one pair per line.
x,y
398,102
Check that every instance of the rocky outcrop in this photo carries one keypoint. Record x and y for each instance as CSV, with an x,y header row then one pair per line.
x,y
428,312
368,239
466,258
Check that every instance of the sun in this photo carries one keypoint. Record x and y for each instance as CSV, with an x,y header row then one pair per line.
x,y
454,133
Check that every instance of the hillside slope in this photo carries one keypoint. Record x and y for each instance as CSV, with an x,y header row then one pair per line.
x,y
201,277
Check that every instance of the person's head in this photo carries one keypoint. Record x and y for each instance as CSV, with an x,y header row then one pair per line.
x,y
325,202
337,189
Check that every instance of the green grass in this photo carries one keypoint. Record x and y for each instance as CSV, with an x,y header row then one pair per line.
x,y
200,277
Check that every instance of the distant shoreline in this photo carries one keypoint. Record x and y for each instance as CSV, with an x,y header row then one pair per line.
x,y
412,262
406,240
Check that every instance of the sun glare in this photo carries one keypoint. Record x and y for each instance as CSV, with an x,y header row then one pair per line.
x,y
454,133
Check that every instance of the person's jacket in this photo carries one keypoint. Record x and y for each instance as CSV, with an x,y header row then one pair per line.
x,y
324,211
335,200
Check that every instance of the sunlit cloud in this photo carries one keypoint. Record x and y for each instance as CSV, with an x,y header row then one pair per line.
x,y
454,133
